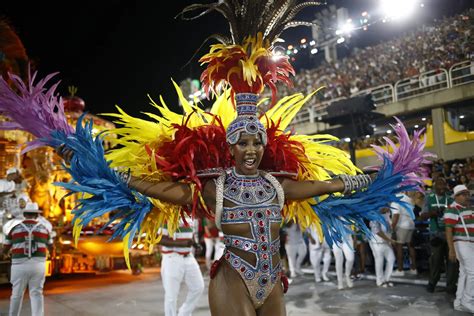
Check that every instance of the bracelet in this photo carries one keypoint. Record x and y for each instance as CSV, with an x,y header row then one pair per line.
x,y
355,183
125,176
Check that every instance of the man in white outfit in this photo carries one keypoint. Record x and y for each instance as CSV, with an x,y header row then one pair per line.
x,y
404,226
318,250
214,240
177,265
343,251
459,221
28,242
295,247
380,243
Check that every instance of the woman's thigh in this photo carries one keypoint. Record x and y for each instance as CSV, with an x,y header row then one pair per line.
x,y
228,294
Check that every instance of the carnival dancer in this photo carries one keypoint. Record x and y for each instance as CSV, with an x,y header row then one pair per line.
x,y
459,220
319,249
28,242
295,247
381,245
214,241
245,172
344,261
179,265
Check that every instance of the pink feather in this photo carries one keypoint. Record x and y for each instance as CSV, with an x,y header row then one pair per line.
x,y
409,157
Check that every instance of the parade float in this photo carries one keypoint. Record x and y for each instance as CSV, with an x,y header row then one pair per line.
x,y
42,167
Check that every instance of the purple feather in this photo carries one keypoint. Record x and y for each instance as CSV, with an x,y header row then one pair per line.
x,y
409,158
33,108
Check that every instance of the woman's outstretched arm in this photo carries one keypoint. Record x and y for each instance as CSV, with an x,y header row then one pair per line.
x,y
300,190
171,192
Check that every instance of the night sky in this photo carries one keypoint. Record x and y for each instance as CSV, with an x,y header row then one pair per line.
x,y
117,52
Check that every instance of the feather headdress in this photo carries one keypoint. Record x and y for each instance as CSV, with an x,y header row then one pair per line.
x,y
244,59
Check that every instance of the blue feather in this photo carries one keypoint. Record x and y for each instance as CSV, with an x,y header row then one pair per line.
x,y
338,214
92,174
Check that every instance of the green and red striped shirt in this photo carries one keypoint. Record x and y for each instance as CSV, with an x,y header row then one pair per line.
x,y
28,240
452,218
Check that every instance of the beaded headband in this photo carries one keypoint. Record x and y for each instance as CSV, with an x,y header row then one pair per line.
x,y
247,120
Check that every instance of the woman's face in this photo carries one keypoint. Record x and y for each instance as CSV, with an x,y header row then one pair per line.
x,y
247,153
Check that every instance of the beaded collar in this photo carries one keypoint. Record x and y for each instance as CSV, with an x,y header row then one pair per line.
x,y
243,190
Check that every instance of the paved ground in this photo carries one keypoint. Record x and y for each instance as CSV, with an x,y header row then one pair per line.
x,y
120,293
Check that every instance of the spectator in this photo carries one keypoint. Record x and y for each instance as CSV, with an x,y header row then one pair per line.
x,y
435,205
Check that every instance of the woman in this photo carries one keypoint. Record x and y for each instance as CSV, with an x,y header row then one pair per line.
x,y
247,204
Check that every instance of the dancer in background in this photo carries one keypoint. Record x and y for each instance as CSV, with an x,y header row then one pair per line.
x,y
381,245
295,247
319,250
344,261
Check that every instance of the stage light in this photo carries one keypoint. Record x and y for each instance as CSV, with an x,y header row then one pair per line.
x,y
312,43
347,28
416,126
295,51
303,40
340,40
397,9
423,119
347,140
314,51
461,116
389,131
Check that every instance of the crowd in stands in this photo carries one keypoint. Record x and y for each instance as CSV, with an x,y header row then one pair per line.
x,y
440,45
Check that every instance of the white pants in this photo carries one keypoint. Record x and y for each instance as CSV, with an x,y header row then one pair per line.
x,y
465,291
216,245
175,269
316,251
340,252
383,253
296,254
32,274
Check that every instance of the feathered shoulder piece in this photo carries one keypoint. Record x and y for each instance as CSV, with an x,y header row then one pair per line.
x,y
245,59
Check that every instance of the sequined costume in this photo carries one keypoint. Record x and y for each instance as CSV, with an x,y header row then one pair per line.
x,y
256,201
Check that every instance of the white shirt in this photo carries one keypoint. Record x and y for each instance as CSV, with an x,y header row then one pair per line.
x,y
405,220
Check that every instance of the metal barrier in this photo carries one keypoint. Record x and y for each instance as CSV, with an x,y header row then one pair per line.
x,y
427,82
461,73
383,94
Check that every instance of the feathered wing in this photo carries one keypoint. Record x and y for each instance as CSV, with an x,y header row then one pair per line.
x,y
403,168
